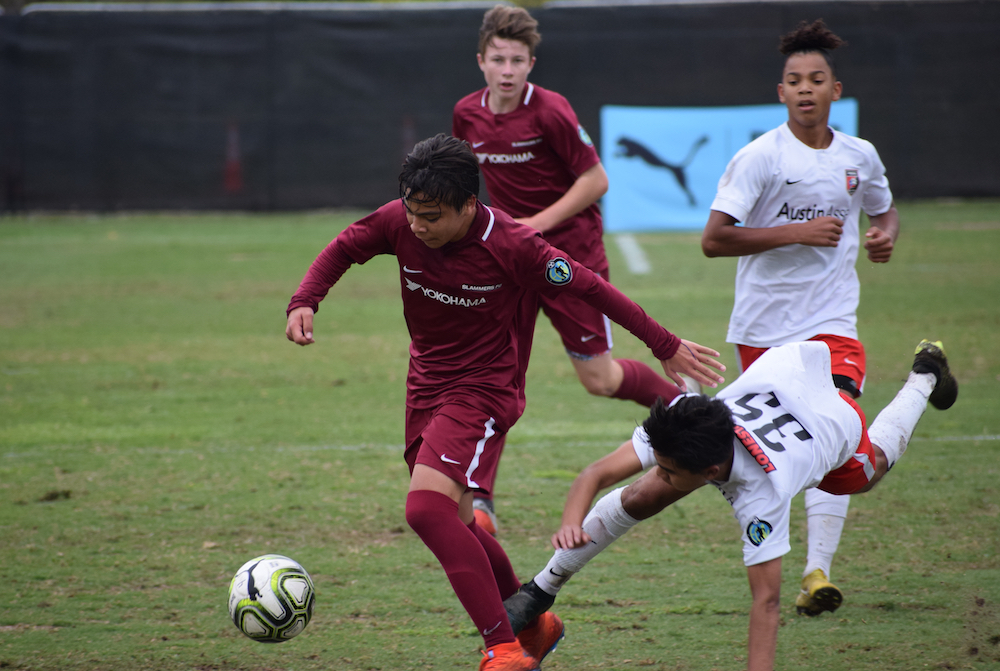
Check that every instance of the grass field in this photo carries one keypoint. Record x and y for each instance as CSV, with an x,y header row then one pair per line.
x,y
157,430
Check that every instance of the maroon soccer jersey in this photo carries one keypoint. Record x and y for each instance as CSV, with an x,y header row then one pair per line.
x,y
530,157
461,303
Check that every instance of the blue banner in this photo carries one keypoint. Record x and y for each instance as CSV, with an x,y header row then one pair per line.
x,y
664,163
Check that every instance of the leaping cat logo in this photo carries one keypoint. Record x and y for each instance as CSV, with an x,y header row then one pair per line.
x,y
631,148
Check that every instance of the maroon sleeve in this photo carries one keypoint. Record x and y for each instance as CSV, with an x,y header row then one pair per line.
x,y
543,268
601,294
324,272
358,243
566,136
455,131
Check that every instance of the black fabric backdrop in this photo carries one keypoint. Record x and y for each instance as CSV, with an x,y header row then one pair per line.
x,y
120,110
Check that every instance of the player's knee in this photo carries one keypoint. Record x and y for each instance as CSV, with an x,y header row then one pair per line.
x,y
421,513
598,384
881,468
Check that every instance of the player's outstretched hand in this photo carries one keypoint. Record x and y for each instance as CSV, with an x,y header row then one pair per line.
x,y
300,326
570,536
879,245
694,360
821,232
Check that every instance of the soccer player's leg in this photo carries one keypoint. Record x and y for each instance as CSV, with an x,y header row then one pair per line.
x,y
448,451
930,380
825,516
586,336
610,519
826,513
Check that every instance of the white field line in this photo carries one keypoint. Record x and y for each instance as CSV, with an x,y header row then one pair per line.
x,y
31,454
635,258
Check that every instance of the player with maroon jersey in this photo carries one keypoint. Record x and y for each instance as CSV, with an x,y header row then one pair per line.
x,y
541,168
464,270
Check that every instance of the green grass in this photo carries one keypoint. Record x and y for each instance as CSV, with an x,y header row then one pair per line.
x,y
157,430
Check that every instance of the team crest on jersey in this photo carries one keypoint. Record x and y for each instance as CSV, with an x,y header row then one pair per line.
x,y
757,531
558,271
853,181
583,136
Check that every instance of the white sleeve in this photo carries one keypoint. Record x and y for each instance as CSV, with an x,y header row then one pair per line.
x,y
877,197
643,450
764,523
743,183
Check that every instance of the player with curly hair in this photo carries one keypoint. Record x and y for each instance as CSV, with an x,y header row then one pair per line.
x,y
781,428
799,191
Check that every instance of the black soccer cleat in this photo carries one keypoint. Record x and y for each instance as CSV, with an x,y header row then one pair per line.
x,y
526,604
930,358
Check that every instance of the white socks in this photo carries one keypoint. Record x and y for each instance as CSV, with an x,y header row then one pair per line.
x,y
891,431
894,426
605,523
825,515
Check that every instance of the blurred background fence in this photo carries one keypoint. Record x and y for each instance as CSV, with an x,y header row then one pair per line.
x,y
289,106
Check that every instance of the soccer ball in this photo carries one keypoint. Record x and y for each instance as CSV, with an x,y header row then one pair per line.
x,y
271,598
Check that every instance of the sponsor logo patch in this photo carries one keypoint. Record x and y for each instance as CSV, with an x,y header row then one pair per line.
x,y
758,531
793,213
558,271
523,157
440,297
853,181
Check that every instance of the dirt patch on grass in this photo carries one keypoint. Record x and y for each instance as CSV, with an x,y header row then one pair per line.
x,y
982,630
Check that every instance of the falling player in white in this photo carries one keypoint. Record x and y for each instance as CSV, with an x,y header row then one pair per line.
x,y
799,191
779,429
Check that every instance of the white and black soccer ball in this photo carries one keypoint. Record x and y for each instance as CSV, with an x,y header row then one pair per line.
x,y
271,598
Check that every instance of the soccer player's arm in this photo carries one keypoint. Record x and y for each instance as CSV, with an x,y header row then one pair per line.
x,y
540,267
358,243
722,237
562,131
324,272
765,613
880,238
588,188
605,472
743,183
676,356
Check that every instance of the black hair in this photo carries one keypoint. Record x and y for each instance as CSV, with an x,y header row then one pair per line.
x,y
812,37
441,169
696,432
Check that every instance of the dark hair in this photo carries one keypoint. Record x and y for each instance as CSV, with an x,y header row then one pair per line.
x,y
509,23
441,169
696,432
812,37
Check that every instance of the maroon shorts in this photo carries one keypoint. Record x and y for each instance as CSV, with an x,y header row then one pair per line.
x,y
859,469
847,357
460,441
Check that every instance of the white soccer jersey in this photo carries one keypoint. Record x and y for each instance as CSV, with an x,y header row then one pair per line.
x,y
793,427
796,292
